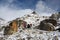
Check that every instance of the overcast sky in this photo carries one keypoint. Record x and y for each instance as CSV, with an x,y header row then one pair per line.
x,y
11,9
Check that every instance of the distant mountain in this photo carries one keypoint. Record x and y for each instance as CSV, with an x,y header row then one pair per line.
x,y
2,21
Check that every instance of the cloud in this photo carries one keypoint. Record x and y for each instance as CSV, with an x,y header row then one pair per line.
x,y
11,9
8,13
54,4
43,9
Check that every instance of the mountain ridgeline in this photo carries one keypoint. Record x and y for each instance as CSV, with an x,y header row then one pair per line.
x,y
32,20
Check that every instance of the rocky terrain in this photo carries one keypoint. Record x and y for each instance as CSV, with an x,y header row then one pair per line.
x,y
32,33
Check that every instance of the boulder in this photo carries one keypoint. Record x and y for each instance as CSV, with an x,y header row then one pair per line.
x,y
7,31
12,28
54,22
47,24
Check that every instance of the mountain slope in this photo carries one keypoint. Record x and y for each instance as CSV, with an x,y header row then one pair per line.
x,y
33,18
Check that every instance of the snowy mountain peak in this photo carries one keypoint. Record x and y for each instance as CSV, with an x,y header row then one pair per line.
x,y
2,22
2,19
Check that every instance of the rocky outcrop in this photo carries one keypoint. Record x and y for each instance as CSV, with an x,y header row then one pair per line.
x,y
23,23
12,28
7,31
55,16
34,12
47,24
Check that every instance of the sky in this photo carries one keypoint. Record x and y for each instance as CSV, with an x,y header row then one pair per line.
x,y
11,9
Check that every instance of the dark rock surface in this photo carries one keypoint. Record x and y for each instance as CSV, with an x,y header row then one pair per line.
x,y
47,24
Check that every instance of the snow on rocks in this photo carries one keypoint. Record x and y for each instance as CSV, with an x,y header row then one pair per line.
x,y
33,19
34,34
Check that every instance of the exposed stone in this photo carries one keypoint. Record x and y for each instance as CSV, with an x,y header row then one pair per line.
x,y
55,16
22,24
58,29
47,24
34,12
12,28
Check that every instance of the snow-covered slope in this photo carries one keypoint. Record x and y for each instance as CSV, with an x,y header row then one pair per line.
x,y
34,34
33,18
2,22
